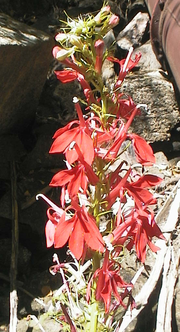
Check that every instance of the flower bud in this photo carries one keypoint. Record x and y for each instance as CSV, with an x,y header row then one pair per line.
x,y
61,54
103,12
99,48
61,37
76,41
113,21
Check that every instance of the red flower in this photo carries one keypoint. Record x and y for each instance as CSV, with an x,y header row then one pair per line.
x,y
54,214
125,66
80,229
139,227
75,178
78,132
120,136
125,107
143,150
69,75
137,189
108,282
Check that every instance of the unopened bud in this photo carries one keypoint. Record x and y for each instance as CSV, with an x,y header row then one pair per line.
x,y
76,41
61,37
103,12
61,54
99,47
113,21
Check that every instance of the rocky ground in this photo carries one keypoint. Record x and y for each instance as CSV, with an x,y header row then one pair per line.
x,y
34,167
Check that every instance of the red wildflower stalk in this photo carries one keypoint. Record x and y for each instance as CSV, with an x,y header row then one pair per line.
x,y
91,144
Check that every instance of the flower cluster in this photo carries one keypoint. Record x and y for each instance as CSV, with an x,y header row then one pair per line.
x,y
98,181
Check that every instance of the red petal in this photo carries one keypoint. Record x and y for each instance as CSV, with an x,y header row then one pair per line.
x,y
50,231
143,150
93,237
76,241
66,75
62,130
63,231
147,181
63,141
106,295
85,144
73,187
63,177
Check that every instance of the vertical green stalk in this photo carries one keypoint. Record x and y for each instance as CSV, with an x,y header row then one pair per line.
x,y
94,317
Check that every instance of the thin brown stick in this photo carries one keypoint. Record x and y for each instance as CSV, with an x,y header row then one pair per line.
x,y
14,254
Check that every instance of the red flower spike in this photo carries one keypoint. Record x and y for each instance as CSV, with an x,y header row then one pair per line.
x,y
108,282
79,134
80,229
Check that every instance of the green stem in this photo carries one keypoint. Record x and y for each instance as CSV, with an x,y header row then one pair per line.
x,y
94,317
96,261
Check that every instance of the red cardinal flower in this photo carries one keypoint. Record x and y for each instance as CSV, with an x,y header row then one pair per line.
x,y
54,214
80,229
125,107
120,136
137,189
139,227
108,282
125,66
143,150
78,132
69,75
76,178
